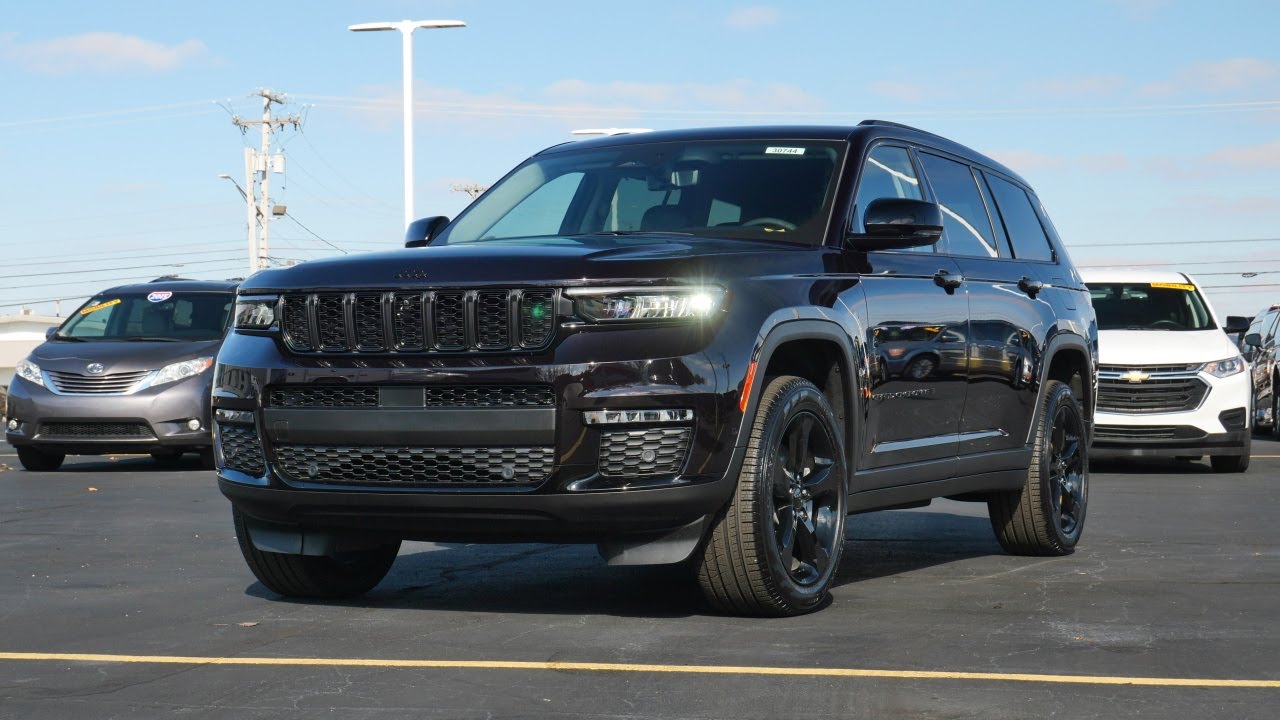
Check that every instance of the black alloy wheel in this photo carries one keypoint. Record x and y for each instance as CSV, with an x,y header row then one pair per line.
x,y
774,550
806,500
1067,475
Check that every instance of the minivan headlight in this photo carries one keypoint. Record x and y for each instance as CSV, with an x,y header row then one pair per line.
x,y
30,372
1224,368
181,370
255,313
645,304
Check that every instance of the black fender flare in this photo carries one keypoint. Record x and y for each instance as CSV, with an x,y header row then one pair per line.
x,y
855,380
1058,343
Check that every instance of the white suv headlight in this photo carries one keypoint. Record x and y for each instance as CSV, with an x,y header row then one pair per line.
x,y
30,372
1224,368
181,370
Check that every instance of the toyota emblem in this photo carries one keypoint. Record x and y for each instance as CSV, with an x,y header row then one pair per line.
x,y
94,368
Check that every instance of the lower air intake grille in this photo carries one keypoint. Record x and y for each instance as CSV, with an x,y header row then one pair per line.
x,y
489,395
325,396
95,430
417,466
1130,432
630,453
241,449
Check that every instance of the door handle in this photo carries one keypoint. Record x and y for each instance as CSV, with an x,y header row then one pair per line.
x,y
1030,287
948,280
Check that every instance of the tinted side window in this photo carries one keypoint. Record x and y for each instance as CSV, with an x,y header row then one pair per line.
x,y
887,174
1020,220
967,229
1270,324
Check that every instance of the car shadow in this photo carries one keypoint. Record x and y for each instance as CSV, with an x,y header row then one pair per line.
x,y
573,580
130,463
1149,466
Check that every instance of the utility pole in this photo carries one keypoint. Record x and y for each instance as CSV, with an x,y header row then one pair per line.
x,y
258,169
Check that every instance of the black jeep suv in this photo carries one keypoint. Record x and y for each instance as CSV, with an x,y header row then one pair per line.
x,y
704,347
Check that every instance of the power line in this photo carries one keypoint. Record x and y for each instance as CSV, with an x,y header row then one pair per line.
x,y
111,269
63,259
105,113
304,227
1113,246
1179,264
116,280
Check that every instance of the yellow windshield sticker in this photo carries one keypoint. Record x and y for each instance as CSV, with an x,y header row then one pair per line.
x,y
100,306
1175,286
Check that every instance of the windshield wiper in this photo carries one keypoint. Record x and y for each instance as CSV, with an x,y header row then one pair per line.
x,y
68,338
638,232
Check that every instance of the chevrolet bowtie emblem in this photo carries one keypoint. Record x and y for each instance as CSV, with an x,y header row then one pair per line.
x,y
1135,376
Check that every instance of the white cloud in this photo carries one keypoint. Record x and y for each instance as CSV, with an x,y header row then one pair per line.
x,y
1086,86
728,95
753,16
1027,161
1246,157
1230,75
100,52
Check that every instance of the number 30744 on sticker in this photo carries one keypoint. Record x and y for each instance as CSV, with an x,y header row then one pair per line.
x,y
784,151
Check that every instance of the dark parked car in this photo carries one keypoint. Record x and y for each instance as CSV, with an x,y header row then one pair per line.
x,y
1262,344
667,345
128,372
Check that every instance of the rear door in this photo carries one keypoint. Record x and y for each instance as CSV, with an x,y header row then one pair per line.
x,y
1007,319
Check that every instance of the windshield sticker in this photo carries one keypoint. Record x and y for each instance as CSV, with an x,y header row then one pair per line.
x,y
783,151
159,296
1174,286
100,306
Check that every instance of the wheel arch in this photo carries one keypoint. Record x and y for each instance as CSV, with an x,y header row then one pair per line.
x,y
1067,355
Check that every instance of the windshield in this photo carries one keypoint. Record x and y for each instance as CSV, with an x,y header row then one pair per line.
x,y
1149,306
160,316
756,190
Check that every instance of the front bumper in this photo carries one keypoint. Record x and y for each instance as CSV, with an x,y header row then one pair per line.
x,y
73,424
1220,425
577,500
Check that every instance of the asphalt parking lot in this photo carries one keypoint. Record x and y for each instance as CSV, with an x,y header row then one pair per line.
x,y
122,594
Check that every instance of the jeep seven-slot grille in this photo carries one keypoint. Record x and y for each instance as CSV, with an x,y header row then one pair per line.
x,y
411,321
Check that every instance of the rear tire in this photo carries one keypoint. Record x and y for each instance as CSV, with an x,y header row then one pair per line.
x,y
316,576
775,549
1046,516
39,460
1275,412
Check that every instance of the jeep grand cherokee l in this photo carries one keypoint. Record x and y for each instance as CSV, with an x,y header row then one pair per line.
x,y
668,345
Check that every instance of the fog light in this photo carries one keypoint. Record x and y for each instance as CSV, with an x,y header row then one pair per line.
x,y
235,416
193,424
627,417
13,425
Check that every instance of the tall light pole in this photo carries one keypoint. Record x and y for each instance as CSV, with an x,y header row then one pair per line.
x,y
406,28
252,213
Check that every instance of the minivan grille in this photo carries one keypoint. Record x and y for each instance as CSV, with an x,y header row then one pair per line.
x,y
112,384
430,321
95,430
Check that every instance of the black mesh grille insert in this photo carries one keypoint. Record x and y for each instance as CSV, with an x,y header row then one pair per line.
x,y
655,451
325,396
95,430
297,327
493,331
489,395
449,321
331,321
367,313
537,317
436,321
407,321
1134,432
241,449
1156,395
416,465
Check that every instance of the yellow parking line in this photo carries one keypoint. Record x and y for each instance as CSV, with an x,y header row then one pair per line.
x,y
642,668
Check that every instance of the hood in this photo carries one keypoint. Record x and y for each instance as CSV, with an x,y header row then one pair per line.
x,y
119,356
523,262
1163,347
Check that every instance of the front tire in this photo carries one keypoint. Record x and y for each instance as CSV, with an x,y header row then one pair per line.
x,y
1275,412
1046,516
39,460
775,549
316,576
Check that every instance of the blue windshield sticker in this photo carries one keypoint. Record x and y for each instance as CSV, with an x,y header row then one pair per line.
x,y
159,296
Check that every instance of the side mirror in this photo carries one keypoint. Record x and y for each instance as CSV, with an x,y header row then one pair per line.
x,y
424,230
897,223
1236,324
49,333
1253,340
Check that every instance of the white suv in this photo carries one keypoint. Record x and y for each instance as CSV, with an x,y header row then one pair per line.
x,y
1170,380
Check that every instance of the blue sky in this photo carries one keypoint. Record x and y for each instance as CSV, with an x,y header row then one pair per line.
x,y
1138,121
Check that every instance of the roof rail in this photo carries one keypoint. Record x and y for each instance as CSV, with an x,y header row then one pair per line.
x,y
887,123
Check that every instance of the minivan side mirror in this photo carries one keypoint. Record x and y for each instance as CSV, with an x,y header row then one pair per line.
x,y
898,223
50,332
424,230
1253,340
1236,324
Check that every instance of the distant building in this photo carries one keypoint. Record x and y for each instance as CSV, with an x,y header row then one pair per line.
x,y
19,335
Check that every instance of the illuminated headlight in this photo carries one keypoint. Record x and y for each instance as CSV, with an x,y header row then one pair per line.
x,y
255,313
181,370
30,372
645,304
1224,368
